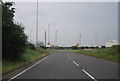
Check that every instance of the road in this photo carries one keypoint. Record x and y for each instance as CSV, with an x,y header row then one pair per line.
x,y
70,65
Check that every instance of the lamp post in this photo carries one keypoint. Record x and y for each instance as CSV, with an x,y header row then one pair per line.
x,y
49,33
95,34
37,25
45,38
80,40
56,37
30,35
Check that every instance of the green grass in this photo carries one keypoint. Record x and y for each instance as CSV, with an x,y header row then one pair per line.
x,y
110,54
28,57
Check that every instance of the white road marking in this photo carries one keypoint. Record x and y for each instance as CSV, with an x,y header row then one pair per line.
x,y
69,57
89,75
72,60
27,69
75,63
82,69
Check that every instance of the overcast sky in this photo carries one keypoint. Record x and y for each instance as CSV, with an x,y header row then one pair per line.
x,y
70,20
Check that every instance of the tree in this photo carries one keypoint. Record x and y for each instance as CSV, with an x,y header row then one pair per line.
x,y
74,47
31,46
13,36
103,46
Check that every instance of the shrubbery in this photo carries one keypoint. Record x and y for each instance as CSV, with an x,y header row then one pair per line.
x,y
13,37
31,46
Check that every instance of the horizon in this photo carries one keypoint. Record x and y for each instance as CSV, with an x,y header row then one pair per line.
x,y
95,21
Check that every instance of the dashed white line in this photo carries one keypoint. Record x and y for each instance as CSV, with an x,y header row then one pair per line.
x,y
69,57
82,69
75,63
72,60
89,75
27,69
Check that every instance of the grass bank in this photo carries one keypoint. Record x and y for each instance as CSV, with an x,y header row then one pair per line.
x,y
110,53
28,57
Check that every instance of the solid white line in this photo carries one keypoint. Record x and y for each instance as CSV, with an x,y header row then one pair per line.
x,y
89,75
75,63
27,69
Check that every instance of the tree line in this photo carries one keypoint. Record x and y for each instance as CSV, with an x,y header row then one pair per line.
x,y
14,39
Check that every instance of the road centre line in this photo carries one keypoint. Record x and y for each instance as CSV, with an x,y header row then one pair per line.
x,y
75,63
27,69
69,57
82,69
89,75
73,60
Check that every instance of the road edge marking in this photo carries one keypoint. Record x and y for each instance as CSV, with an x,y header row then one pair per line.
x,y
27,69
89,75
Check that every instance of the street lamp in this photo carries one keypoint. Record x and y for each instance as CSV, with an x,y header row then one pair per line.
x,y
56,37
49,32
80,40
37,25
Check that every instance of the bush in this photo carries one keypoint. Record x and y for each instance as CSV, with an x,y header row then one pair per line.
x,y
43,47
31,46
13,36
74,47
103,46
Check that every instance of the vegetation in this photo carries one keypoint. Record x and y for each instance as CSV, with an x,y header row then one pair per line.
x,y
13,37
31,46
16,50
28,57
76,48
110,53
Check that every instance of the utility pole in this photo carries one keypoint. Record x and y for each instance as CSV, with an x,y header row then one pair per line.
x,y
56,37
37,25
95,38
45,38
49,33
30,36
80,40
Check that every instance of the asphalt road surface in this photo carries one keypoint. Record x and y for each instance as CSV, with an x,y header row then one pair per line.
x,y
70,65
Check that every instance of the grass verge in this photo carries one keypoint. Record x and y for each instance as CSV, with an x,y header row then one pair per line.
x,y
28,57
110,53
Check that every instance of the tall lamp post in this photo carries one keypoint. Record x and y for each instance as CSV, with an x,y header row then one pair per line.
x,y
45,38
37,26
80,40
30,35
95,42
56,37
49,33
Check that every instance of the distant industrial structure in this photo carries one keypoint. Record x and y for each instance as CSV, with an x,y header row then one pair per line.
x,y
40,43
111,43
78,45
